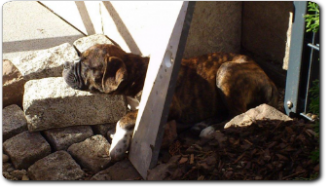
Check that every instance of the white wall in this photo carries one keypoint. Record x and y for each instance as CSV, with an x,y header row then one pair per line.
x,y
135,25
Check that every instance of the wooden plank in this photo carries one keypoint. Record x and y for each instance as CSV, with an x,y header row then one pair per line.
x,y
158,92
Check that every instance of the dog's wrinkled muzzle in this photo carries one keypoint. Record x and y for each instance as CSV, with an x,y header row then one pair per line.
x,y
71,75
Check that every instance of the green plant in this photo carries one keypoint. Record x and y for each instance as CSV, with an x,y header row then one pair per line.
x,y
313,25
313,19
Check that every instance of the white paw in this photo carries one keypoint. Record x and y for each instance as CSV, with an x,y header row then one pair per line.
x,y
207,133
120,143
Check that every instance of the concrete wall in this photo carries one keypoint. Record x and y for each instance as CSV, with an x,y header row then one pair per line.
x,y
216,26
264,28
265,32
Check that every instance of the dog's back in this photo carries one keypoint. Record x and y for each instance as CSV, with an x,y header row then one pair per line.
x,y
217,84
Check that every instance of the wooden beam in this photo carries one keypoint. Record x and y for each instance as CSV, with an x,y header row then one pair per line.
x,y
158,92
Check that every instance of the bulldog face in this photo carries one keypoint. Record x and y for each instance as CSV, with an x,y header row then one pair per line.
x,y
97,70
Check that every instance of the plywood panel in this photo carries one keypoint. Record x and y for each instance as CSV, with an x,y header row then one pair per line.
x,y
157,93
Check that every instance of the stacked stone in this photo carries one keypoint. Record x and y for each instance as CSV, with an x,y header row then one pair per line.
x,y
51,131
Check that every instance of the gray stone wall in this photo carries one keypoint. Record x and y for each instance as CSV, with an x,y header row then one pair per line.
x,y
215,26
264,28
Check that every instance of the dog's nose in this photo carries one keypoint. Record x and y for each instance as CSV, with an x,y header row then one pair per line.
x,y
116,155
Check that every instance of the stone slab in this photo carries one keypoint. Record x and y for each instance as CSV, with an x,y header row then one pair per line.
x,y
92,154
45,63
56,166
13,121
26,148
262,115
12,84
84,43
61,139
50,103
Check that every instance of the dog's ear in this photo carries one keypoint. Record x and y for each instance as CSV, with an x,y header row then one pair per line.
x,y
114,73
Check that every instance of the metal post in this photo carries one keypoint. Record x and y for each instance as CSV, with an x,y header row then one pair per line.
x,y
291,100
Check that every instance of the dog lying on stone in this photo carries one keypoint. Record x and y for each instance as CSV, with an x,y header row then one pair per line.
x,y
207,86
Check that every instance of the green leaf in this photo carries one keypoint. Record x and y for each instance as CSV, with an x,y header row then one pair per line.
x,y
312,19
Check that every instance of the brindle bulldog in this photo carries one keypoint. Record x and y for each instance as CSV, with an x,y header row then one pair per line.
x,y
207,86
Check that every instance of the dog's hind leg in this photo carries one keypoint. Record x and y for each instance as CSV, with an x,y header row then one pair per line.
x,y
121,139
243,85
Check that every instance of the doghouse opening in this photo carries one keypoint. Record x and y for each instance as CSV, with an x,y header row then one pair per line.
x,y
258,29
